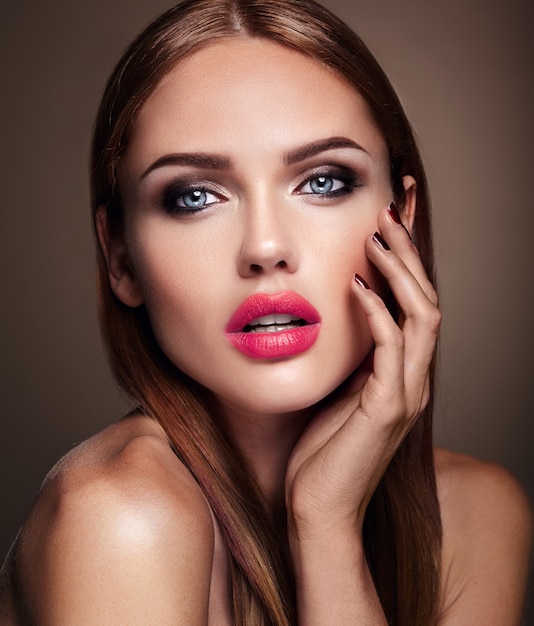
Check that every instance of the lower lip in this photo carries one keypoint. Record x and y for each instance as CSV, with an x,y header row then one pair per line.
x,y
276,345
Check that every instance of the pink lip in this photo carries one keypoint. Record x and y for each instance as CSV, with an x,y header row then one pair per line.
x,y
278,344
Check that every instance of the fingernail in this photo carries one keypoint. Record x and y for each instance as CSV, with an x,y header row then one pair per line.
x,y
394,213
361,281
377,237
407,232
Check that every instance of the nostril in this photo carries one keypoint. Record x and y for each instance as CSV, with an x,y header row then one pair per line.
x,y
257,268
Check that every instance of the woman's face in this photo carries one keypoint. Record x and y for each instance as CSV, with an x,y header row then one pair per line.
x,y
253,177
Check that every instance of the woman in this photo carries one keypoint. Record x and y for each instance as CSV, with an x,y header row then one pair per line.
x,y
258,196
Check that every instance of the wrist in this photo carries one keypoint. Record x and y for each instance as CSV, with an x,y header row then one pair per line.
x,y
326,544
317,524
333,580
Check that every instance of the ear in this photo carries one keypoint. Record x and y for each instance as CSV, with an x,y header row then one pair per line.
x,y
408,212
121,277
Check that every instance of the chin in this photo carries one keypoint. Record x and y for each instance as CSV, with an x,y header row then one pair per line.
x,y
278,397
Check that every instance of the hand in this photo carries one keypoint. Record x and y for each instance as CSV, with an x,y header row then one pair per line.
x,y
345,450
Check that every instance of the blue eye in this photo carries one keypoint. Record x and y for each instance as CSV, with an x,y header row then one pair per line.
x,y
329,184
187,199
196,199
324,184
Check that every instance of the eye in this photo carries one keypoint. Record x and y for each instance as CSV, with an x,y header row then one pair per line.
x,y
188,199
329,184
322,185
196,199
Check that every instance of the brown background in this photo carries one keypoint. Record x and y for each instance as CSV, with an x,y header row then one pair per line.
x,y
463,70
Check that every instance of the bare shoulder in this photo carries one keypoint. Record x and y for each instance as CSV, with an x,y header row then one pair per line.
x,y
487,533
120,533
466,483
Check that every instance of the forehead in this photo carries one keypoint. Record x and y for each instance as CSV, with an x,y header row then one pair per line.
x,y
251,88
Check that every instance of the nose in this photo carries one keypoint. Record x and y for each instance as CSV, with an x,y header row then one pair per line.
x,y
268,240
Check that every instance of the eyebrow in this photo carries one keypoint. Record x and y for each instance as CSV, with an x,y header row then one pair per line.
x,y
200,160
316,147
220,162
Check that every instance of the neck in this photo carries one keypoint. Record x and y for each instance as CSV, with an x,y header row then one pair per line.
x,y
266,442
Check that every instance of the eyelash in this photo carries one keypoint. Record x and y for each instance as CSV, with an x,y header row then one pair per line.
x,y
349,180
179,191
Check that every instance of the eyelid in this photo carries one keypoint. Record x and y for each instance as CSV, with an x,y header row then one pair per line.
x,y
188,183
347,175
181,187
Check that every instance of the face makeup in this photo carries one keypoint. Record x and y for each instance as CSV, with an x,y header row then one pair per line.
x,y
253,177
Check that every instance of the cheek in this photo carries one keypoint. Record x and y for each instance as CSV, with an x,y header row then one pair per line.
x,y
350,249
163,261
164,272
344,257
344,252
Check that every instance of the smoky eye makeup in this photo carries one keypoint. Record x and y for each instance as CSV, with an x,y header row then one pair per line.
x,y
187,195
182,198
328,182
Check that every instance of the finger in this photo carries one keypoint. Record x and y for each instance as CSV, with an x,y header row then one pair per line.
x,y
394,232
418,309
382,397
421,316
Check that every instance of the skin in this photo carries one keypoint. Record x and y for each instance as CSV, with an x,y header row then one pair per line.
x,y
124,507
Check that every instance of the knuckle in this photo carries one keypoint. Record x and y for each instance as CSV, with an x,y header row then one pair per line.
x,y
434,320
430,316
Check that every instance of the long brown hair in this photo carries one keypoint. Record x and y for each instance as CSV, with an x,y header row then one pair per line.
x,y
402,530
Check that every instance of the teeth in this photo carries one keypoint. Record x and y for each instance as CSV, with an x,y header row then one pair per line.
x,y
272,328
275,318
274,323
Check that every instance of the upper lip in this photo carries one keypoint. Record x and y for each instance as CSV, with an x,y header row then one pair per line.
x,y
261,304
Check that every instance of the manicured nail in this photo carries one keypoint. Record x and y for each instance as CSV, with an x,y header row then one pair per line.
x,y
407,232
381,241
394,213
361,281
